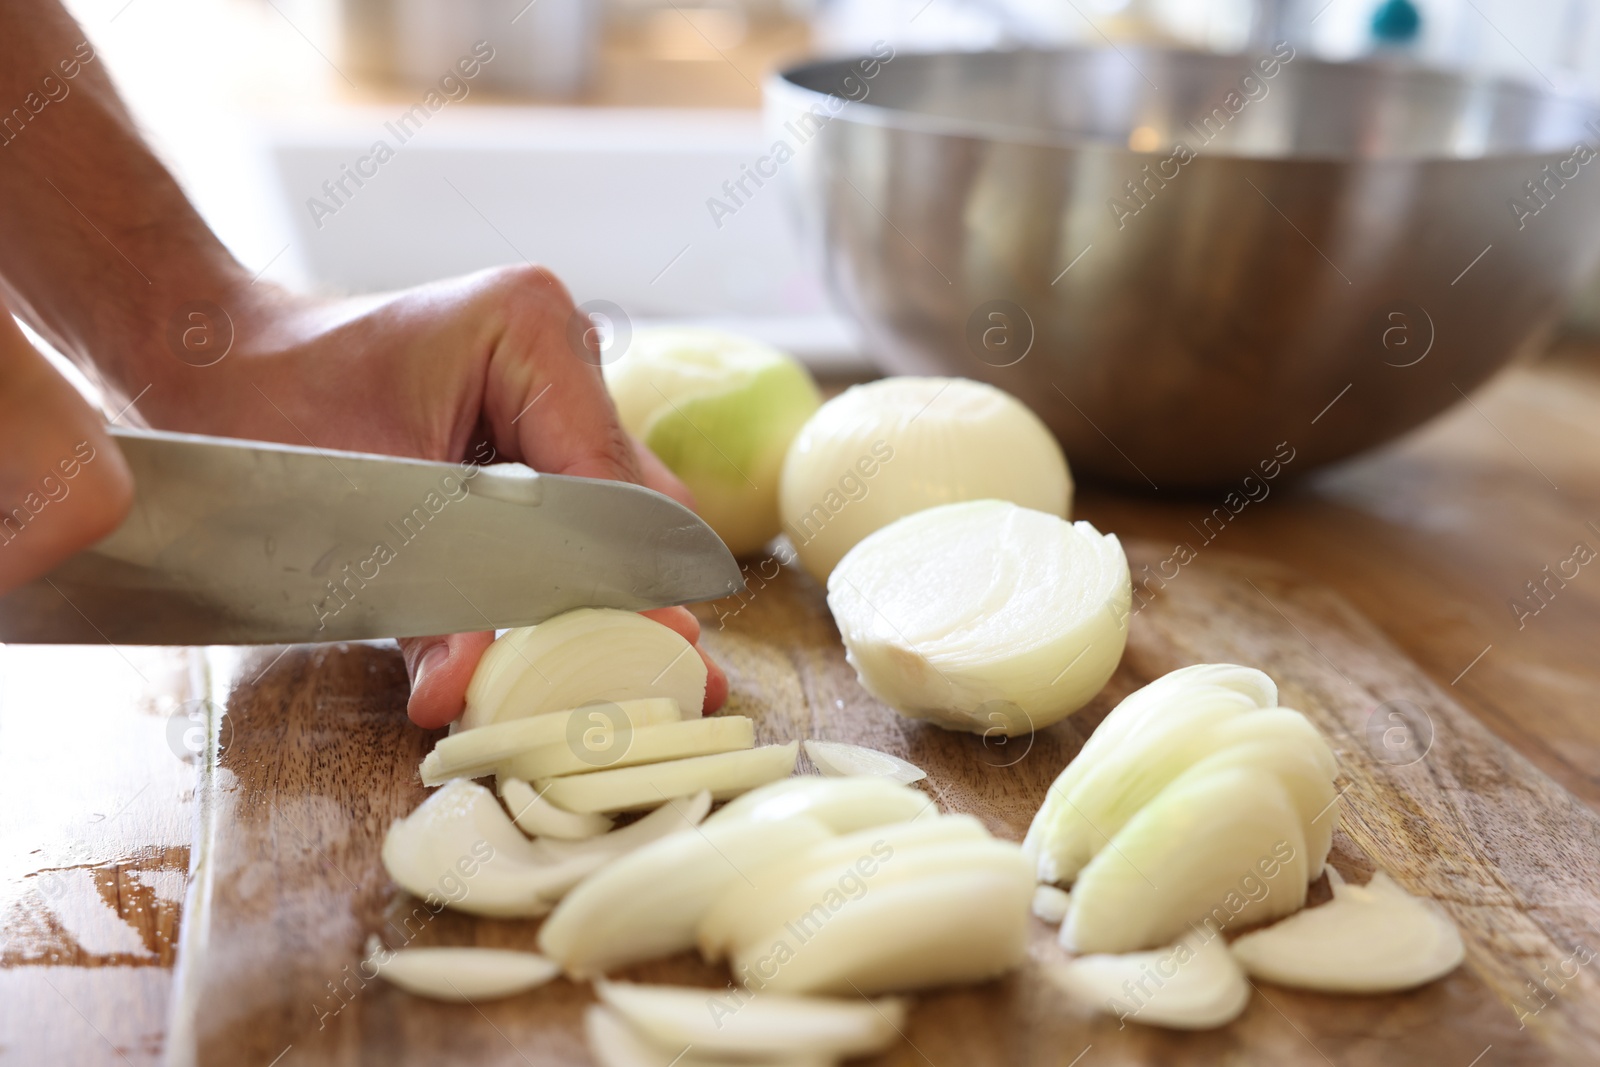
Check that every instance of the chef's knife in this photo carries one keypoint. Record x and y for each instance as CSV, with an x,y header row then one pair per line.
x,y
240,542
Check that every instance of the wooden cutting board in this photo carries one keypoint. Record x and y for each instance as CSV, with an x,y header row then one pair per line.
x,y
319,760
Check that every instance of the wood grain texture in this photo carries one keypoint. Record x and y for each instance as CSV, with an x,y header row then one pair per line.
x,y
321,760
1435,537
94,847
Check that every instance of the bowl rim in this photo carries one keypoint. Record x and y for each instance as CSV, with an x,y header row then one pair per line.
x,y
780,85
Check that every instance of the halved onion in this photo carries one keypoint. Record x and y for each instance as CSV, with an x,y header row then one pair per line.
x,y
648,903
474,753
883,450
540,818
602,747
726,774
835,759
583,656
758,1025
1221,845
983,616
464,974
841,804
1373,938
1192,985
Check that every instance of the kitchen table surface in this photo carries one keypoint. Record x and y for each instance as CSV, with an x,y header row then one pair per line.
x,y
1468,543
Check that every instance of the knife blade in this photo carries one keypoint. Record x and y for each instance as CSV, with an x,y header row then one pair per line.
x,y
244,542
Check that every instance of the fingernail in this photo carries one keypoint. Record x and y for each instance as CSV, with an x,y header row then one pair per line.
x,y
431,660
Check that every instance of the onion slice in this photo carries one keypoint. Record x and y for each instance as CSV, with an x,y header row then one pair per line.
x,y
460,841
1025,624
958,926
741,1022
462,974
1137,750
1193,985
582,656
460,847
601,747
1050,904
537,817
725,775
794,887
843,805
835,759
647,904
677,814
474,753
613,1043
1220,846
1373,938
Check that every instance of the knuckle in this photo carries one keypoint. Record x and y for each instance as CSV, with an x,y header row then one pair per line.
x,y
526,284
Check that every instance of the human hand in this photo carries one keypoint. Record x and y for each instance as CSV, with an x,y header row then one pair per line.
x,y
63,484
430,372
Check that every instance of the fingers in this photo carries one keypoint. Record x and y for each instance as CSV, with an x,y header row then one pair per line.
x,y
680,621
63,483
440,669
716,684
545,401
545,404
658,477
685,625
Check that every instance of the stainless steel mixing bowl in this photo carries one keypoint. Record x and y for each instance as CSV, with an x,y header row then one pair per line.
x,y
1186,263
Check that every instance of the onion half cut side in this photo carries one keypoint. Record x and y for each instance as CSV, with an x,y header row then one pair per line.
x,y
983,616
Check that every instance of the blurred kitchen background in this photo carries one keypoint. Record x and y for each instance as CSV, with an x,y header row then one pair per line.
x,y
594,137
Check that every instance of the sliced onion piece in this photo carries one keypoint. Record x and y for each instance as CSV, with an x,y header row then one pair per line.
x,y
983,616
538,817
841,804
460,841
464,974
1284,741
474,753
600,748
675,815
835,759
1154,703
792,887
614,1043
1221,846
725,775
959,926
1193,985
1373,938
582,656
811,900
741,1022
1136,751
880,451
1212,725
1050,904
647,904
